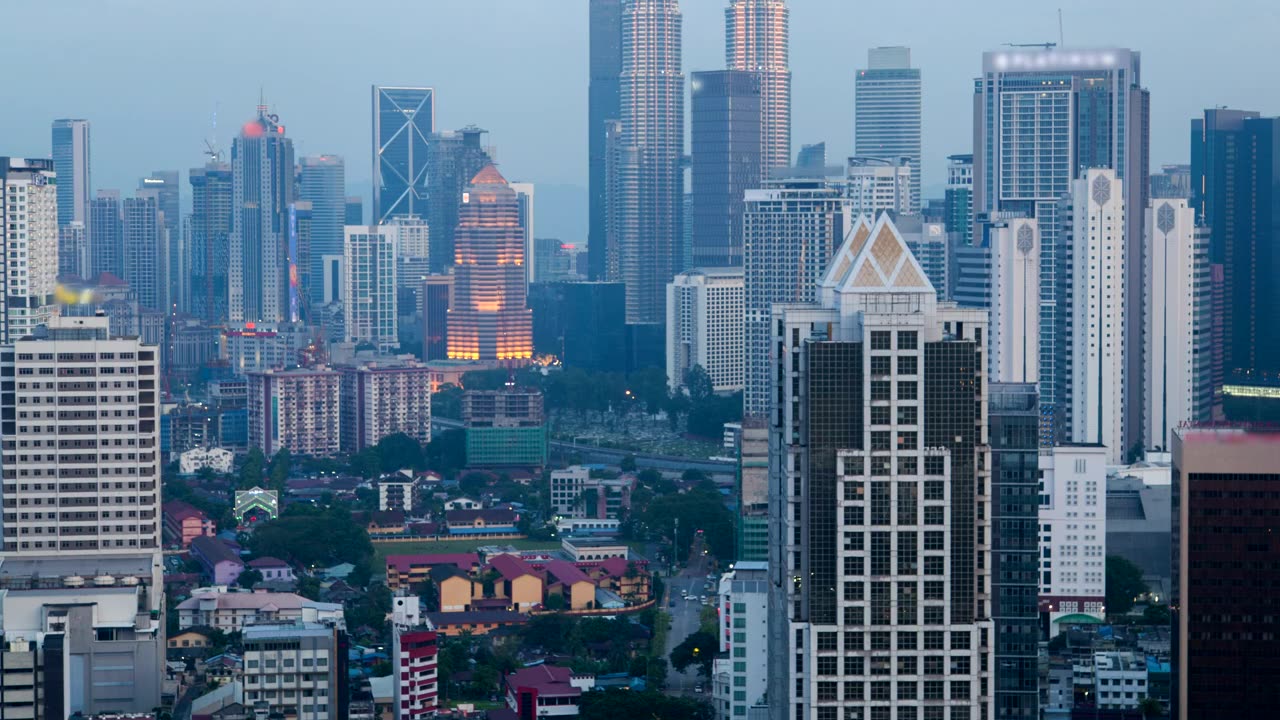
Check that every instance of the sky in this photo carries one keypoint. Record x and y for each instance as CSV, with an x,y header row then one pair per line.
x,y
149,75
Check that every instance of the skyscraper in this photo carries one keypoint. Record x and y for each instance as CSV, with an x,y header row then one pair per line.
x,y
958,197
1178,333
403,120
369,286
886,121
1014,273
704,327
211,192
725,137
650,192
757,39
1040,116
525,195
489,318
29,226
172,255
73,249
106,236
321,181
143,235
453,158
877,461
71,163
603,106
1235,173
262,188
353,211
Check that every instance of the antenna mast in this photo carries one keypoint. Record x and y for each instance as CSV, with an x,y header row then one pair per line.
x,y
1061,42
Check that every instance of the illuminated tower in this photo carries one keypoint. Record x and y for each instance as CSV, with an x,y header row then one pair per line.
x,y
262,188
488,319
756,39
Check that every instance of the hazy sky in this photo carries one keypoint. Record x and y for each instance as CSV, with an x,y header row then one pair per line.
x,y
148,74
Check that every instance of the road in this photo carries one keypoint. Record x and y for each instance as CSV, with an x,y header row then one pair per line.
x,y
684,620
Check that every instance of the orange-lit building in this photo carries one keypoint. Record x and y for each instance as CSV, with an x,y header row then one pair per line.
x,y
489,318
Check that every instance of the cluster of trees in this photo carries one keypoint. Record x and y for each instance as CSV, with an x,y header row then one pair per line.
x,y
445,454
652,705
312,536
656,505
1124,583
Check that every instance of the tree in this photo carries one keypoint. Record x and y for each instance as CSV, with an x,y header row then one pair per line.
x,y
699,648
708,416
447,452
251,471
312,537
698,383
447,402
650,704
1156,615
249,578
628,463
1124,583
699,509
278,469
367,463
693,475
400,451
649,386
1150,707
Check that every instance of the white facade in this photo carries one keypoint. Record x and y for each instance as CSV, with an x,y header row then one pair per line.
x,y
369,287
743,601
1121,679
294,668
879,184
1177,333
414,656
1015,301
29,227
1097,342
86,471
385,397
196,459
410,236
887,111
1073,531
396,493
705,326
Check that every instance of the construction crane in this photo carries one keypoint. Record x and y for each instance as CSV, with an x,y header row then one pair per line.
x,y
211,151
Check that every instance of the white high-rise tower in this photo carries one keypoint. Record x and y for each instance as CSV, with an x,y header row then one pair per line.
x,y
757,39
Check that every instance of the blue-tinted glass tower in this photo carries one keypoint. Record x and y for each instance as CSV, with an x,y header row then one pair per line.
x,y
403,120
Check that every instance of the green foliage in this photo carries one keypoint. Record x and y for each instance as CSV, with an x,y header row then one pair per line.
x,y
1150,707
698,649
649,476
319,537
309,587
249,578
251,471
447,452
474,484
447,402
708,416
371,609
1157,615
649,386
699,509
1124,583
693,475
628,463
278,470
400,451
616,703
698,383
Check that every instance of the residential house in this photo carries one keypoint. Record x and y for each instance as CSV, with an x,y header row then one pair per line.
x,y
273,569
629,579
188,640
462,503
221,563
546,691
454,588
222,669
232,611
184,522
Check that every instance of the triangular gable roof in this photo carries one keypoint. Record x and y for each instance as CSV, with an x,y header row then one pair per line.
x,y
883,263
842,261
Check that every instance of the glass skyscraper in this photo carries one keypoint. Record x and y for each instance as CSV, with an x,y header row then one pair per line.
x,y
757,39
453,158
726,162
209,240
403,120
71,163
262,190
321,183
886,121
603,106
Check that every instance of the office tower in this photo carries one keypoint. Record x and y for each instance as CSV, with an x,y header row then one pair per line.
x,y
29,226
297,409
1093,305
301,259
103,524
524,194
928,241
73,250
603,106
1172,182
144,232
369,287
71,165
321,182
403,120
453,158
595,330
353,210
1073,533
106,235
725,160
488,319
1224,555
959,197
757,39
437,298
1178,330
704,327
1235,170
211,192
790,230
811,161
886,122
878,460
1041,116
298,669
163,187
382,397
1015,300
553,260
414,653
262,190
742,605
1014,434
649,192
876,185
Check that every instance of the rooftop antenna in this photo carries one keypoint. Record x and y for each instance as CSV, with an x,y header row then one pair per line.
x,y
1061,42
211,151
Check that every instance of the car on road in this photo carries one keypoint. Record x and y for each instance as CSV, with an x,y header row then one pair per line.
x,y
697,688
671,604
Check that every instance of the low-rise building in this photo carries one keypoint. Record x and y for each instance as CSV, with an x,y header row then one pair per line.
x,y
183,523
188,640
575,494
298,669
219,460
504,428
221,563
407,571
475,622
516,581
455,589
395,492
462,503
545,691
571,584
1121,679
493,521
273,569
235,611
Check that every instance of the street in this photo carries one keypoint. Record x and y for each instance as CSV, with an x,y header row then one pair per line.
x,y
684,621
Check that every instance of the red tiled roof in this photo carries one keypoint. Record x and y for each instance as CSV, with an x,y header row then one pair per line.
x,y
492,516
404,563
614,566
179,510
268,562
566,572
549,680
511,567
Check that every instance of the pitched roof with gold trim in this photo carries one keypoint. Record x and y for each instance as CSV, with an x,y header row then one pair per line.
x,y
881,262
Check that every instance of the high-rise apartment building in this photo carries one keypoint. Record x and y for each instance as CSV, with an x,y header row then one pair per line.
x,y
453,158
71,165
704,327
604,106
322,182
382,397
1041,117
790,230
958,197
144,234
725,160
1093,307
1235,170
262,190
403,120
95,489
73,250
1224,602
879,467
106,234
29,227
1014,274
297,409
297,669
648,193
1073,532
1178,314
876,185
369,287
211,193
740,678
489,318
887,112
757,39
